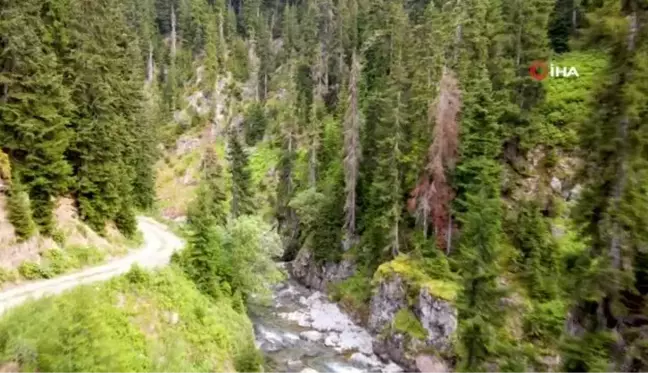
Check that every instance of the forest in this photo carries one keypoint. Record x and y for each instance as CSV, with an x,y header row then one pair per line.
x,y
401,134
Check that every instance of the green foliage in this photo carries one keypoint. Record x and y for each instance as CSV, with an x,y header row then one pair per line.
x,y
539,263
241,179
7,275
222,261
86,255
238,63
19,211
354,293
421,274
545,321
478,302
406,322
255,124
32,271
126,324
59,137
55,262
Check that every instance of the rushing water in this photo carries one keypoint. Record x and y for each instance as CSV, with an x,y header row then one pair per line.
x,y
301,331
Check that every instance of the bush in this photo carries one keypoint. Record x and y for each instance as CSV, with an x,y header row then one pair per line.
x,y
32,271
57,262
354,293
405,321
137,275
8,275
20,214
86,255
546,321
121,326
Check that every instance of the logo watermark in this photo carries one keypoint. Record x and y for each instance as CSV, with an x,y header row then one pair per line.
x,y
540,70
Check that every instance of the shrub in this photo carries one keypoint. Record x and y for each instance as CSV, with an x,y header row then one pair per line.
x,y
32,271
20,214
137,275
7,275
405,321
57,262
86,255
354,293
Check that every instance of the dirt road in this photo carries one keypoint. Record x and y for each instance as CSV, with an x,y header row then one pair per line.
x,y
159,244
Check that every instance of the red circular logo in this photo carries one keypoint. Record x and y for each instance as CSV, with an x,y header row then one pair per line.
x,y
538,70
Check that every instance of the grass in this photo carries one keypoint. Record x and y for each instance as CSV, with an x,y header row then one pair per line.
x,y
414,274
142,321
406,322
55,262
353,293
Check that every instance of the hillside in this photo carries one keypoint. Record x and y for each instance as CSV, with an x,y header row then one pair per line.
x,y
143,321
408,158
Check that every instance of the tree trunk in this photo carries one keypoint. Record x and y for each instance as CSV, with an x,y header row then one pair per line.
x,y
149,66
622,131
173,33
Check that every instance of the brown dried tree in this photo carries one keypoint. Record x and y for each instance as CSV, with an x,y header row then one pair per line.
x,y
432,196
352,150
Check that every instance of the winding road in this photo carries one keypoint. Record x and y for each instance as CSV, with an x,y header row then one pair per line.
x,y
159,245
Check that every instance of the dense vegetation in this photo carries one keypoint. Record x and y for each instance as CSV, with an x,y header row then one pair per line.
x,y
142,321
73,119
402,132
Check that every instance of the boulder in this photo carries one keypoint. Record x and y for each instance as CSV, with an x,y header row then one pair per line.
x,y
431,364
437,316
319,276
311,335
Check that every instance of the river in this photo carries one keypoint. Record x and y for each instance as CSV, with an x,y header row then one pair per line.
x,y
300,330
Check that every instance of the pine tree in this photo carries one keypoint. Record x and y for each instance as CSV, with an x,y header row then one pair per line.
x,y
202,260
241,183
388,106
610,209
19,210
478,302
433,195
287,222
107,91
35,106
212,180
352,149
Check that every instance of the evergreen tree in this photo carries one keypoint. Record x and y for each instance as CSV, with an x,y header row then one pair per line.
x,y
106,89
202,260
19,211
609,210
478,302
238,162
387,108
35,105
212,180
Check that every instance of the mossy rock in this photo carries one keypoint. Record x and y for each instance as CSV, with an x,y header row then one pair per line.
x,y
406,322
410,270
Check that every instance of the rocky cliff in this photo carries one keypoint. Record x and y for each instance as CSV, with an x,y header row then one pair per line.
x,y
414,322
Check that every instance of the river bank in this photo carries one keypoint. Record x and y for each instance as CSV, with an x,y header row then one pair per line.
x,y
302,331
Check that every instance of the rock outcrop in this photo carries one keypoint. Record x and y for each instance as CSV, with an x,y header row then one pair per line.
x,y
436,316
319,276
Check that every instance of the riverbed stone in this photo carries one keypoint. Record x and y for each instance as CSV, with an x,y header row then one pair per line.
x,y
319,276
333,339
356,339
431,364
311,335
366,361
308,370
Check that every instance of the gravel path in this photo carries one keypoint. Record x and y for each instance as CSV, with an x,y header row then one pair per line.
x,y
159,244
